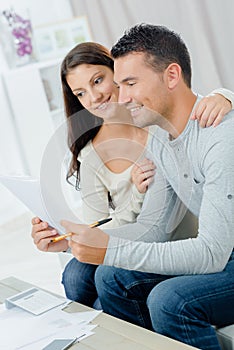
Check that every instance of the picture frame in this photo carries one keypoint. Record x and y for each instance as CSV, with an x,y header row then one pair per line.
x,y
56,39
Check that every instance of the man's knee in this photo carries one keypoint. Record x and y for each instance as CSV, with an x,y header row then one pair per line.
x,y
68,271
163,302
104,276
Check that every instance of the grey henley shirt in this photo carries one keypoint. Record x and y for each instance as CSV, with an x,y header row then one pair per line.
x,y
194,171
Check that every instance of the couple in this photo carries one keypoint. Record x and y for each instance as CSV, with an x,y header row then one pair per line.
x,y
177,287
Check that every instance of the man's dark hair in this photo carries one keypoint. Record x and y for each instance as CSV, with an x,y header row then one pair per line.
x,y
160,45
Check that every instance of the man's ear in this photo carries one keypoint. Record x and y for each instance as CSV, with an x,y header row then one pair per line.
x,y
172,75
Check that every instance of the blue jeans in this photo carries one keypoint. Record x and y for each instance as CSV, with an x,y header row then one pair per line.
x,y
78,282
180,307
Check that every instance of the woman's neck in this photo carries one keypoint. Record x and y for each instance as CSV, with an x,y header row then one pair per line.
x,y
118,130
120,145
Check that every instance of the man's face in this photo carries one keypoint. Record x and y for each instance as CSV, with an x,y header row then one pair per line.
x,y
141,88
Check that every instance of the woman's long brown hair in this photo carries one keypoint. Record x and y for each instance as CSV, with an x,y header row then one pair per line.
x,y
82,125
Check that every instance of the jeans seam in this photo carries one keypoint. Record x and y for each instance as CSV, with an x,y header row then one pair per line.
x,y
136,283
186,327
135,303
139,313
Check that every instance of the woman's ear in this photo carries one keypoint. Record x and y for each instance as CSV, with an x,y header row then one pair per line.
x,y
172,75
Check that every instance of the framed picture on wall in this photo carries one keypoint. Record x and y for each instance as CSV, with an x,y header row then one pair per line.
x,y
56,39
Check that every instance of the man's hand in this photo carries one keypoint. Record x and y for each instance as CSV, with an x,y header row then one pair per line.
x,y
87,244
211,110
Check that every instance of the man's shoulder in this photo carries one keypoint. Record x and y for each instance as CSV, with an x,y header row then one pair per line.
x,y
229,116
217,140
226,127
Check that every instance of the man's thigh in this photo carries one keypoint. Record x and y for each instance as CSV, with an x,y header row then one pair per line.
x,y
131,284
210,295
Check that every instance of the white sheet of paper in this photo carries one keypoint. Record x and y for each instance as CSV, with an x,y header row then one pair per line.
x,y
22,330
43,201
34,300
86,316
71,332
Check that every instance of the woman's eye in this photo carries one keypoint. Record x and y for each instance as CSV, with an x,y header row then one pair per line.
x,y
98,80
80,94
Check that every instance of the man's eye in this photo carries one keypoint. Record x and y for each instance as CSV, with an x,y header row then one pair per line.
x,y
131,83
116,85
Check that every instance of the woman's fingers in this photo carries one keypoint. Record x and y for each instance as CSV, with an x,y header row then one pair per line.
x,y
142,174
45,235
211,110
36,220
39,227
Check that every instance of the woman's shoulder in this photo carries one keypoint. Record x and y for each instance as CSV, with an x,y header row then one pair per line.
x,y
85,152
88,155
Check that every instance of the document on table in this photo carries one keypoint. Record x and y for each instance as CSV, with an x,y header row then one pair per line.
x,y
34,300
22,330
43,201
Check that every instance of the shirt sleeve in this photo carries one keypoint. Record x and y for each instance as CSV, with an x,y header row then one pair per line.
x,y
137,200
228,94
209,250
94,194
152,223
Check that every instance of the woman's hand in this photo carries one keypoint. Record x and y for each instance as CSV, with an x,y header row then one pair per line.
x,y
211,110
143,174
42,235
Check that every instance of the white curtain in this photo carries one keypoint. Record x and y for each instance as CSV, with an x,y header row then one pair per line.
x,y
205,25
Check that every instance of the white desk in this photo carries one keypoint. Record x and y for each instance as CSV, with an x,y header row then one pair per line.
x,y
111,333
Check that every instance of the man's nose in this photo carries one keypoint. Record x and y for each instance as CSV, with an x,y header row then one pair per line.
x,y
123,96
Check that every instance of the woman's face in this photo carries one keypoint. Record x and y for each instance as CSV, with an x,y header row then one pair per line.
x,y
93,86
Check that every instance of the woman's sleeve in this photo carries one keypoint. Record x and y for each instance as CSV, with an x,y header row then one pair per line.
x,y
94,194
228,94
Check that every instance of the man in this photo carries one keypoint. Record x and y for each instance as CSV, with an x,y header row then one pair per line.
x,y
185,286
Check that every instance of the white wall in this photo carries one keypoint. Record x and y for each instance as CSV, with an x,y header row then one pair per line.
x,y
206,26
42,11
11,157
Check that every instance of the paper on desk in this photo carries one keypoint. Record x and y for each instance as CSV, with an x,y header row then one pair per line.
x,y
70,333
34,300
43,200
86,316
22,330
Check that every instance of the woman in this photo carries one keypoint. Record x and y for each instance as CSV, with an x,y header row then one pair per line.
x,y
99,162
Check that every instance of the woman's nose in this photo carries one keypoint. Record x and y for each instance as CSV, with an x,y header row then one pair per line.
x,y
95,95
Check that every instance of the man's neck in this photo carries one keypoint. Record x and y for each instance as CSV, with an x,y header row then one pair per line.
x,y
180,113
